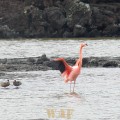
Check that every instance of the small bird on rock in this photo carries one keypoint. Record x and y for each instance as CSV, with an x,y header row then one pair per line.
x,y
5,84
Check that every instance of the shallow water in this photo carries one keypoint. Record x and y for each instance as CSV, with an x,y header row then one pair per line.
x,y
61,48
97,90
97,95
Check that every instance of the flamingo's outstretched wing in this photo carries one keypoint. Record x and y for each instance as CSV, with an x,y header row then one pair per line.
x,y
62,65
59,65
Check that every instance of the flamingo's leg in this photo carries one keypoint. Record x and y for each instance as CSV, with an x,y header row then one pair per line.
x,y
74,86
70,87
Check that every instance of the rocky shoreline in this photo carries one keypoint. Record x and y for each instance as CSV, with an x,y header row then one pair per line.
x,y
59,18
44,63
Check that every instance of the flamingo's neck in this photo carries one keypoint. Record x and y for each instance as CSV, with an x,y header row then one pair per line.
x,y
80,56
79,61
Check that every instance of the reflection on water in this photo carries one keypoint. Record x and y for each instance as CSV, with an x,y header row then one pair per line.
x,y
96,97
63,48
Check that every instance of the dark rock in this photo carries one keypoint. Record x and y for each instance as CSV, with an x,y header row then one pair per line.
x,y
6,32
12,61
31,60
102,61
101,19
67,34
71,61
105,19
85,62
42,59
55,17
44,63
37,3
112,30
39,61
77,12
21,60
100,1
16,61
3,61
48,63
88,1
48,3
79,31
59,18
58,3
11,68
93,63
110,64
35,22
94,33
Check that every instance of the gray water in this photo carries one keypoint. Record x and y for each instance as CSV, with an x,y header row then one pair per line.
x,y
97,91
61,48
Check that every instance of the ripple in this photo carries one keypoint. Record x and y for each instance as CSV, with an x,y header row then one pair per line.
x,y
65,48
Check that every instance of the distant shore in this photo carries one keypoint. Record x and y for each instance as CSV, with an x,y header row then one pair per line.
x,y
59,19
44,63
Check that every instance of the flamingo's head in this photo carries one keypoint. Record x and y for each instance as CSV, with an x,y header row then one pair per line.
x,y
83,45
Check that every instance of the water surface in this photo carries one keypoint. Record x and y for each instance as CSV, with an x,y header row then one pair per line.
x,y
97,89
97,95
61,48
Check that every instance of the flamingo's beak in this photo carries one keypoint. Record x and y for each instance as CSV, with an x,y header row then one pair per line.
x,y
86,44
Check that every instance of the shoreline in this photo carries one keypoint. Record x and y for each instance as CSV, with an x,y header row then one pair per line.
x,y
44,63
60,38
62,18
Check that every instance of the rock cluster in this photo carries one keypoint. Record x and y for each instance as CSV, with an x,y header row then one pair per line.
x,y
45,63
59,18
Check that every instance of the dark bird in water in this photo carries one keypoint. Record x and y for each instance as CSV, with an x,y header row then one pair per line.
x,y
16,83
5,84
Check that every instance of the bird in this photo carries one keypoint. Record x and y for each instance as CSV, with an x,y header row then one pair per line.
x,y
16,83
5,84
68,72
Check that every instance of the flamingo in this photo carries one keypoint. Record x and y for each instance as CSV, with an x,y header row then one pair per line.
x,y
70,73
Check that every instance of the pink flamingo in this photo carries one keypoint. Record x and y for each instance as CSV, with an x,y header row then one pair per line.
x,y
70,73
